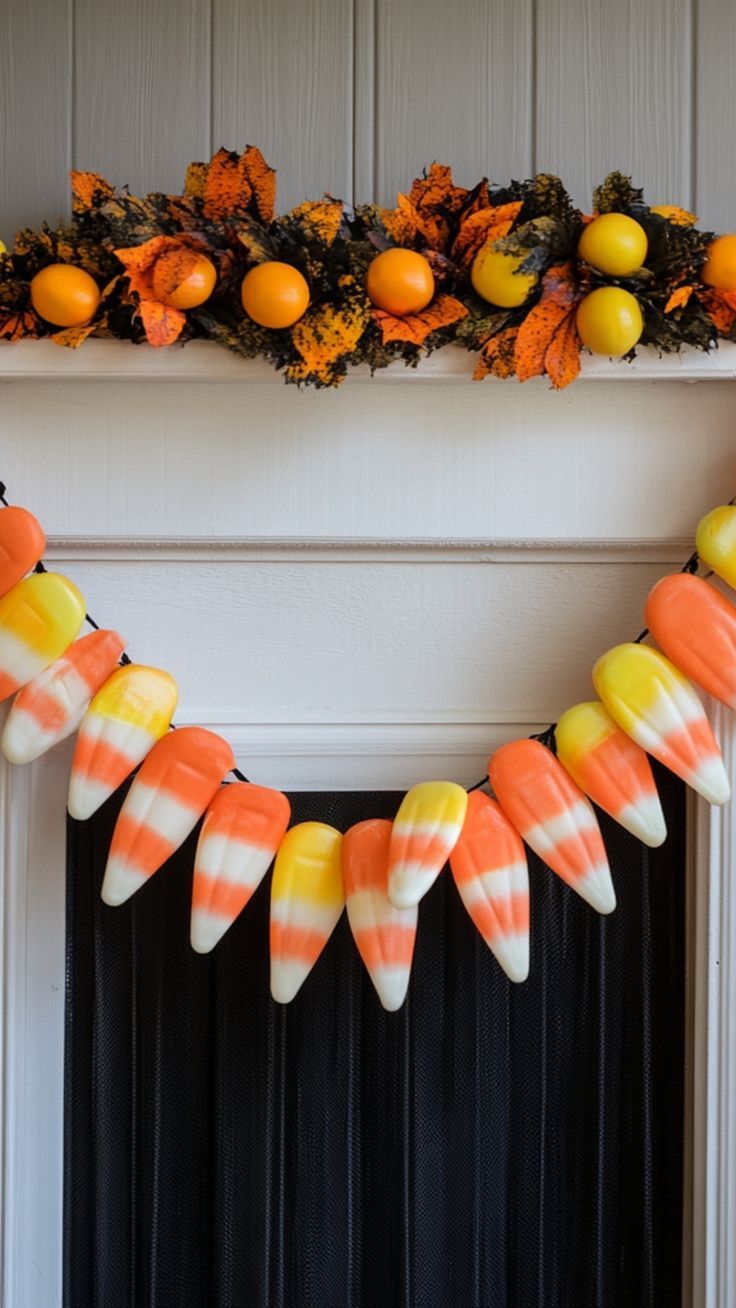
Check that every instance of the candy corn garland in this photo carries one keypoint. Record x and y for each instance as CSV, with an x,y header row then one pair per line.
x,y
378,870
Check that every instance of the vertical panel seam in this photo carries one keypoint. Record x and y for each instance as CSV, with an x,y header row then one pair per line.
x,y
533,94
375,135
694,105
351,170
362,170
72,97
211,96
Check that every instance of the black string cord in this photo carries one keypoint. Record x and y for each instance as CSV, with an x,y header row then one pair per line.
x,y
546,737
124,660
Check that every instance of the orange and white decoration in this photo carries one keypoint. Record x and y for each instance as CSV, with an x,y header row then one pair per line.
x,y
379,870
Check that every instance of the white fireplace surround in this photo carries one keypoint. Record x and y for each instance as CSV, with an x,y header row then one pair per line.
x,y
389,580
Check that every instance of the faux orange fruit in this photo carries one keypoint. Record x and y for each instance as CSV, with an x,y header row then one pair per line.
x,y
400,282
275,294
614,244
609,321
64,295
719,269
496,278
187,291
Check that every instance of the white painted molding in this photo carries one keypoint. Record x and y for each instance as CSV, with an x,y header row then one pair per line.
x,y
711,1174
358,549
206,361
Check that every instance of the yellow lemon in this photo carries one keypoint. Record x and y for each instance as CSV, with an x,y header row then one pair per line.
x,y
614,244
3,248
719,269
64,295
609,321
495,278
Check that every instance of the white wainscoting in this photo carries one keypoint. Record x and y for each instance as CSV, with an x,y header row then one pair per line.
x,y
360,589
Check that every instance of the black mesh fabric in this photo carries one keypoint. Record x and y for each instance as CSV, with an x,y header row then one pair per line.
x,y
489,1146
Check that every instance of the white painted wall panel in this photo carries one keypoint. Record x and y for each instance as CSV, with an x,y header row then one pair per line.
x,y
454,461
35,113
614,89
141,107
715,170
330,641
283,80
453,82
364,93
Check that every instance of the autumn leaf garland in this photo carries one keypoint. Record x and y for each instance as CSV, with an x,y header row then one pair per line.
x,y
227,212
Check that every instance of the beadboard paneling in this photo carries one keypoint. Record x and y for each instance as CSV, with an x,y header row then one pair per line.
x,y
715,172
453,83
283,80
356,96
141,89
35,103
614,90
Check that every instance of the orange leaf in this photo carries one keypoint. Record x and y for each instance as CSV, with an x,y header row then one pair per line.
x,y
562,360
482,227
172,271
234,180
14,326
323,217
559,285
401,223
679,298
674,214
73,337
262,182
437,190
559,296
88,190
194,182
416,327
720,312
497,355
162,324
324,336
139,261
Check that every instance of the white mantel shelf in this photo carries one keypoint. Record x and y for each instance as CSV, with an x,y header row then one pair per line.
x,y
204,361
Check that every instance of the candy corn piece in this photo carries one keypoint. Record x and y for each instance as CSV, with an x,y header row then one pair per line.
x,y
125,719
552,815
51,706
696,627
659,709
490,870
383,934
39,619
715,541
307,898
178,780
243,827
425,830
612,769
22,543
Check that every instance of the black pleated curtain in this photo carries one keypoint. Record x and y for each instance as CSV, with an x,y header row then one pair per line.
x,y
489,1146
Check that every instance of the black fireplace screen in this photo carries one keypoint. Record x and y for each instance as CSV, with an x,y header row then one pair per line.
x,y
489,1146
